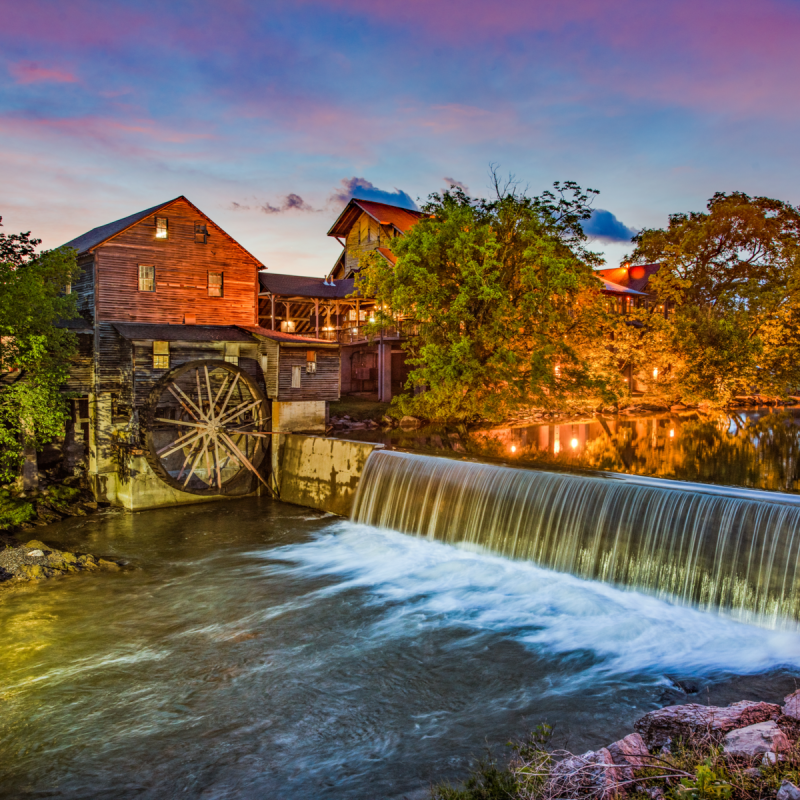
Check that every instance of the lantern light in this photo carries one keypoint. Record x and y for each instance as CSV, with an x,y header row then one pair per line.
x,y
513,448
655,373
672,433
574,443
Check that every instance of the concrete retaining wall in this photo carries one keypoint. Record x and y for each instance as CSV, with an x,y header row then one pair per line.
x,y
322,473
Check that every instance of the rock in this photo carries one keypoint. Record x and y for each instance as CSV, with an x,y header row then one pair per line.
x,y
68,558
35,553
788,791
410,422
628,754
35,544
693,720
106,564
754,740
791,707
32,572
592,773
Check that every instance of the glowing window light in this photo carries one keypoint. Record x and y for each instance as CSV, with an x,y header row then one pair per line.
x,y
162,231
574,443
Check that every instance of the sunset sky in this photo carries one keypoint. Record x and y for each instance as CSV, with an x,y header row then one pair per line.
x,y
268,115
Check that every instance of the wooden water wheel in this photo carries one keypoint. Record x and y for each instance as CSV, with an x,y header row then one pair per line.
x,y
205,428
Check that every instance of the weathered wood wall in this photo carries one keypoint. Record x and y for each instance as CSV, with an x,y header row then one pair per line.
x,y
364,236
322,385
83,287
181,267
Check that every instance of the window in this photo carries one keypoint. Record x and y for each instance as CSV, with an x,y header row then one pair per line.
x,y
215,284
311,362
232,353
295,377
147,278
200,232
160,355
68,288
162,230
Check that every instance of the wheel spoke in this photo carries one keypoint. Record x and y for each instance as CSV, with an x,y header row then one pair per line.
x,y
188,400
184,444
228,396
200,452
210,395
238,413
244,459
216,462
179,422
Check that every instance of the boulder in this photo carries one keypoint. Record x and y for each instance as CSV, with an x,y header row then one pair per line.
x,y
410,422
35,544
791,707
788,791
693,720
628,754
755,740
35,553
593,773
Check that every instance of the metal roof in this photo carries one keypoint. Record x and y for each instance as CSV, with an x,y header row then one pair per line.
x,y
609,286
621,276
135,331
288,338
401,218
301,286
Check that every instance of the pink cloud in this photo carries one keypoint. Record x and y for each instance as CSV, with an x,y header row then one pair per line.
x,y
32,72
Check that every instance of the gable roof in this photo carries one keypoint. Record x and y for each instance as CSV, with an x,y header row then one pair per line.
x,y
86,242
301,286
384,214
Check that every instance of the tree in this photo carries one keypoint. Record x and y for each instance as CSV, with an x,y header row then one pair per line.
x,y
732,275
34,349
504,304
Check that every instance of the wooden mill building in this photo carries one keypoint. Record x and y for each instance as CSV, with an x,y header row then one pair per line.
x,y
170,344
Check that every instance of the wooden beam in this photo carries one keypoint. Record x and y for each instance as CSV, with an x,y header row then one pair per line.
x,y
316,314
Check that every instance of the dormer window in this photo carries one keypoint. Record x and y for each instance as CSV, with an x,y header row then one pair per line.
x,y
200,232
215,284
160,355
162,228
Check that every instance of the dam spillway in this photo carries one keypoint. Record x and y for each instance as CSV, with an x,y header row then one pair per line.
x,y
717,551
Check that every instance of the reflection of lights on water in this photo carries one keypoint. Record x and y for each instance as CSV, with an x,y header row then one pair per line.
x,y
574,443
513,448
672,433
557,447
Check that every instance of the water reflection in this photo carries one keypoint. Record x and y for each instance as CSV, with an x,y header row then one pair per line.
x,y
757,449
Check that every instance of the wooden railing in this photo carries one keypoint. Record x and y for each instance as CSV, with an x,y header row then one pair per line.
x,y
363,332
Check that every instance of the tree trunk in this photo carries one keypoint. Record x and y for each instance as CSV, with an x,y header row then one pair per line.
x,y
30,469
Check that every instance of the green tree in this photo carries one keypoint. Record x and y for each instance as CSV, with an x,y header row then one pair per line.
x,y
505,306
732,276
34,349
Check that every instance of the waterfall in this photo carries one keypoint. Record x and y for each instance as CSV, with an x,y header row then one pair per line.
x,y
722,552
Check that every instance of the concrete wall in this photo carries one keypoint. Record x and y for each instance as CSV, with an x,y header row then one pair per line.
x,y
143,490
299,415
322,473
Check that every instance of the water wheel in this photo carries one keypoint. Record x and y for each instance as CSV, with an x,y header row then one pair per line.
x,y
205,428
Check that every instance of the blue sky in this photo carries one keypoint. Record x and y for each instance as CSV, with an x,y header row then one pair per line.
x,y
266,115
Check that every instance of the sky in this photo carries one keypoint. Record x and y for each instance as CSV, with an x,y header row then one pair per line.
x,y
269,115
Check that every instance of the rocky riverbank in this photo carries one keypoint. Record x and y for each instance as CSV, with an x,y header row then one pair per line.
x,y
745,751
35,561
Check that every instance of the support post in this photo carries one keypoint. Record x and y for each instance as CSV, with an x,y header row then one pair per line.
x,y
272,299
316,314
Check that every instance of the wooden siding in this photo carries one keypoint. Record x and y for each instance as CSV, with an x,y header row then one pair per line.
x,y
83,287
182,266
181,353
270,349
366,234
323,385
80,367
113,363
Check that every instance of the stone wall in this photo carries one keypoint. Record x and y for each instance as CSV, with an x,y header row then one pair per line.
x,y
322,473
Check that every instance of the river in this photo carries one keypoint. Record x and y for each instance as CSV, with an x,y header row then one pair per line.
x,y
258,650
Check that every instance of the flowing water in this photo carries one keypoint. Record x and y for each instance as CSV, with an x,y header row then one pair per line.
x,y
736,552
258,650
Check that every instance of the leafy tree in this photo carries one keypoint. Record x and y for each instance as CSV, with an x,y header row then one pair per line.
x,y
34,350
504,301
732,275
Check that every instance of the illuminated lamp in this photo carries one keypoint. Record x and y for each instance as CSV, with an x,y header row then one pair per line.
x,y
513,448
637,273
672,433
574,443
655,373
556,447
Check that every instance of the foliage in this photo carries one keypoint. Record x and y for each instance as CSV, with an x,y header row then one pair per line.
x,y
505,305
34,350
705,785
732,276
14,511
358,408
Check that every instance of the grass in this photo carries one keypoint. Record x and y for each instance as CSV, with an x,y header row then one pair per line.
x,y
693,770
14,511
358,409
